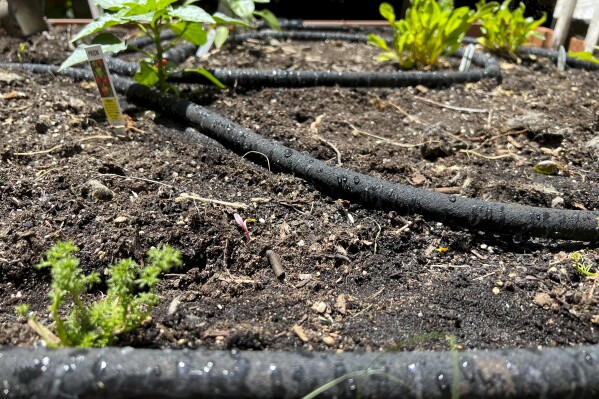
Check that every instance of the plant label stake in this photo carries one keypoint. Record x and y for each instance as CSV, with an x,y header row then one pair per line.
x,y
112,108
204,48
467,58
561,59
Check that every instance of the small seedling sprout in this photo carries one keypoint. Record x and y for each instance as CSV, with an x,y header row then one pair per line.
x,y
243,225
130,297
583,264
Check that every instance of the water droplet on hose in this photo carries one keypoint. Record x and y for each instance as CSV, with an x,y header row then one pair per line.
x,y
441,382
208,367
517,238
452,199
288,152
356,180
468,370
352,384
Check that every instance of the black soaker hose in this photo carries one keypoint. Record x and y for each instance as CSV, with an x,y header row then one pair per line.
x,y
145,373
251,78
547,53
495,217
255,78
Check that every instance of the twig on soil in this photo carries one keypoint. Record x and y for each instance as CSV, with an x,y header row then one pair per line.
x,y
40,174
404,112
509,133
134,178
275,262
333,147
359,313
259,153
491,157
485,275
184,196
56,147
314,131
355,130
452,107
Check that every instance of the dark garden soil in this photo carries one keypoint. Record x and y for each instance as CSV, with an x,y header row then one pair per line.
x,y
356,279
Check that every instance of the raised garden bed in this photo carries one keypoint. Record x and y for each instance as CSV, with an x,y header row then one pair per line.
x,y
357,278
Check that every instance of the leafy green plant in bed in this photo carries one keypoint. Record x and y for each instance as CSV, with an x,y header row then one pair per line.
x,y
583,264
246,11
188,21
505,30
429,30
130,297
584,55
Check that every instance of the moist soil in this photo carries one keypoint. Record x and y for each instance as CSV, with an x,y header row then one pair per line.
x,y
356,279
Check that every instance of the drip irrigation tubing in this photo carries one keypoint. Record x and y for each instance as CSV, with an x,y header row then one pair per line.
x,y
255,78
572,62
145,373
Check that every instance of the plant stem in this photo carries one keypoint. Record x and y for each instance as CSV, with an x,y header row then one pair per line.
x,y
159,53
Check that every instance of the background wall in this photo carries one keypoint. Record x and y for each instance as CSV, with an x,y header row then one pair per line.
x,y
305,9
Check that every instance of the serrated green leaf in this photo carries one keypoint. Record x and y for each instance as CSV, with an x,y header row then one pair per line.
x,y
208,76
242,8
270,19
192,13
79,55
103,22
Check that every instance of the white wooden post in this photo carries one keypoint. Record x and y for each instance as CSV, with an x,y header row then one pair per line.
x,y
564,17
592,36
93,8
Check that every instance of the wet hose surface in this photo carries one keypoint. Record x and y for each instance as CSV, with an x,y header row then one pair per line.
x,y
130,373
374,192
255,78
251,78
144,373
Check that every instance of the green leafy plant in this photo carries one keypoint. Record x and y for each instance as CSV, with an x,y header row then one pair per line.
x,y
189,22
21,52
430,29
505,30
582,264
584,55
128,302
246,11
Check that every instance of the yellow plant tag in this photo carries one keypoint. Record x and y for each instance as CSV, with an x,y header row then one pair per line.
x,y
105,85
